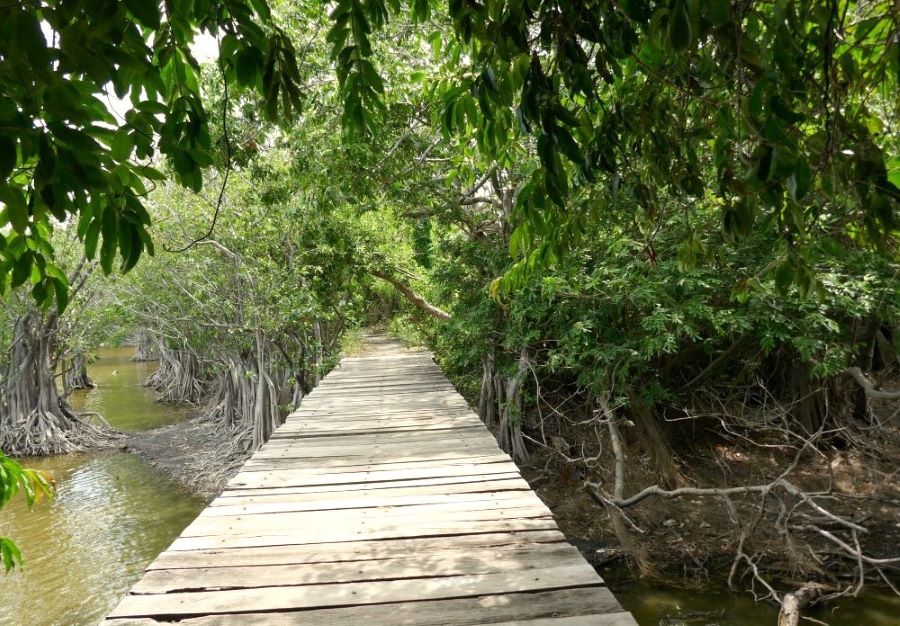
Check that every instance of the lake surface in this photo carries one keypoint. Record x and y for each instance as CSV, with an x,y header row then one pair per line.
x,y
112,515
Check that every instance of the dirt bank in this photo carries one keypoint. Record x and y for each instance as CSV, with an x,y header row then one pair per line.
x,y
690,541
193,453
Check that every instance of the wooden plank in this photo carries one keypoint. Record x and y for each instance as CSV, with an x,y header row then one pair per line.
x,y
426,490
301,478
365,457
448,563
432,485
377,464
325,524
413,438
278,598
356,420
502,608
371,518
290,503
426,547
384,507
434,529
380,470
336,447
307,426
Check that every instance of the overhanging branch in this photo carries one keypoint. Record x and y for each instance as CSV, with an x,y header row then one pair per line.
x,y
414,298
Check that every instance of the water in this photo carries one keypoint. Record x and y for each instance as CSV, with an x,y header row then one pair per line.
x,y
121,397
665,606
113,513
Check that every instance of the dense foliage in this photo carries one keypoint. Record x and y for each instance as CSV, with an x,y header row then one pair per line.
x,y
633,229
33,485
781,114
64,154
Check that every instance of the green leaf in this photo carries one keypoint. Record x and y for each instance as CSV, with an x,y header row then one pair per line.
x,y
247,67
16,209
798,181
121,146
7,156
22,269
262,9
784,275
9,554
145,11
718,11
109,230
680,32
91,238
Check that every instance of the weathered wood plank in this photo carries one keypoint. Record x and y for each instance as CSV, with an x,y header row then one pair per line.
x,y
434,485
427,490
447,563
376,592
434,529
502,608
301,478
328,523
366,458
426,547
408,502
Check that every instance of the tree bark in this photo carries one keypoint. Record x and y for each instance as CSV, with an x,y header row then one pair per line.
x,y
75,375
142,349
869,387
793,603
34,418
414,298
510,437
487,398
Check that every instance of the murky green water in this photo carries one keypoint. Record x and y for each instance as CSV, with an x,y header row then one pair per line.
x,y
113,513
660,606
122,397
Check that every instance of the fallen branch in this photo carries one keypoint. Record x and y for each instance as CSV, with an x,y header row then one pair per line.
x,y
793,603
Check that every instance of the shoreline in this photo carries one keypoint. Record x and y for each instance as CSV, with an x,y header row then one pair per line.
x,y
190,452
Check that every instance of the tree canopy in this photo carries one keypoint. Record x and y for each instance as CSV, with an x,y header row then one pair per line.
x,y
782,114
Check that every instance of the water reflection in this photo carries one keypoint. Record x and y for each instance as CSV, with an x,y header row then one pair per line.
x,y
121,396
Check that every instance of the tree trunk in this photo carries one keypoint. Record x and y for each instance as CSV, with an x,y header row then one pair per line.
x,y
75,375
510,436
414,298
143,350
34,419
793,603
487,397
178,377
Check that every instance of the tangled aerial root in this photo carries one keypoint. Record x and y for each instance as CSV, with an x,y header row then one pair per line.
x,y
45,433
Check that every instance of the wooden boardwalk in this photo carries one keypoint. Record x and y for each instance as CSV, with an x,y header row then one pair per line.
x,y
382,501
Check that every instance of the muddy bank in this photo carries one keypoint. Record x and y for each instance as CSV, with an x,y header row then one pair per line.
x,y
194,453
688,545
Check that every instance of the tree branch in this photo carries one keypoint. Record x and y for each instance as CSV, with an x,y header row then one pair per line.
x,y
415,299
869,387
